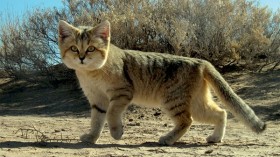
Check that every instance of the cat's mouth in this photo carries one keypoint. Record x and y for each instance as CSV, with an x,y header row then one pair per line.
x,y
82,63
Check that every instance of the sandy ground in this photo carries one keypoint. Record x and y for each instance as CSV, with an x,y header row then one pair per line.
x,y
30,116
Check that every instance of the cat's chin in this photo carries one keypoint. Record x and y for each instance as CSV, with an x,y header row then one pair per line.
x,y
87,67
82,67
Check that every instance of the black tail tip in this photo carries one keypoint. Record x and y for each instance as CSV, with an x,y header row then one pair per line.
x,y
261,128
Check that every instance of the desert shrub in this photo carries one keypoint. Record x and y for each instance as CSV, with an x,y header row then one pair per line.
x,y
29,49
228,33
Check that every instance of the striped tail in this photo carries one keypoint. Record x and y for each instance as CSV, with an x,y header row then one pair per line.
x,y
232,101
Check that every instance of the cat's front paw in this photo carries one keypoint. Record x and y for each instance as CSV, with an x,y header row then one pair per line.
x,y
214,139
89,138
116,132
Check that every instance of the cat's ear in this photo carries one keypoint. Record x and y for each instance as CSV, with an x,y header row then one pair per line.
x,y
65,29
102,30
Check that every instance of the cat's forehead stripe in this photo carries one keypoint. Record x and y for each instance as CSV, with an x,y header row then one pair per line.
x,y
83,35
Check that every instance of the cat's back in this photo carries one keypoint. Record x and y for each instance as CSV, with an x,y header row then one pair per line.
x,y
159,60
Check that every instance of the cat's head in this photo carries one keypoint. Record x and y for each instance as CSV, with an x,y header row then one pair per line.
x,y
84,48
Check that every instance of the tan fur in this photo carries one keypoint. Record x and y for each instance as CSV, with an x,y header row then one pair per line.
x,y
112,78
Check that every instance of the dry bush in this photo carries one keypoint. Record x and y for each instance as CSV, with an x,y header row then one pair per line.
x,y
29,49
226,33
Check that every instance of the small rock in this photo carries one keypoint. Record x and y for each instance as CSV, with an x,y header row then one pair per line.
x,y
130,120
209,151
157,114
133,124
141,116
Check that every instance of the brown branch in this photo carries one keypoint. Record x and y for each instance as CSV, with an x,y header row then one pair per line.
x,y
41,136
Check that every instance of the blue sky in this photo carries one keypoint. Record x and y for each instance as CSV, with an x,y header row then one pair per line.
x,y
15,8
272,4
20,6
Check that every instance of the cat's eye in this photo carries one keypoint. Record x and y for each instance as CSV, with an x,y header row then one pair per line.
x,y
90,49
74,49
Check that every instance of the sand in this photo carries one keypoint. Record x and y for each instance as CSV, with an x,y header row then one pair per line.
x,y
48,122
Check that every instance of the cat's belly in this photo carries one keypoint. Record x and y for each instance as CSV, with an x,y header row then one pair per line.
x,y
145,101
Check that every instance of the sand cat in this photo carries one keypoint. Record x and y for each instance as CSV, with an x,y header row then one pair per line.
x,y
112,78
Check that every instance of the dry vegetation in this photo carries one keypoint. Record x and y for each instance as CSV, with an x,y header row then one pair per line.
x,y
232,34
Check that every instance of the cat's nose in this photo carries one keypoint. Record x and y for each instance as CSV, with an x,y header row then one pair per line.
x,y
82,57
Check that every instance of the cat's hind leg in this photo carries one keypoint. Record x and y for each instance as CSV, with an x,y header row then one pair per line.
x,y
205,110
179,112
217,116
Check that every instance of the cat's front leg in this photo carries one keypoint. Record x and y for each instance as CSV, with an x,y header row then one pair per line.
x,y
118,104
98,115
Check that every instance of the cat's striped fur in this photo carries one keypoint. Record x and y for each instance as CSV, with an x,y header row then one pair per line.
x,y
112,78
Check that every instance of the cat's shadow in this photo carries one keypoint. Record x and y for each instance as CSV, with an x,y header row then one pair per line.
x,y
80,145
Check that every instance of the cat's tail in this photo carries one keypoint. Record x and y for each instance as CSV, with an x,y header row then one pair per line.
x,y
232,101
